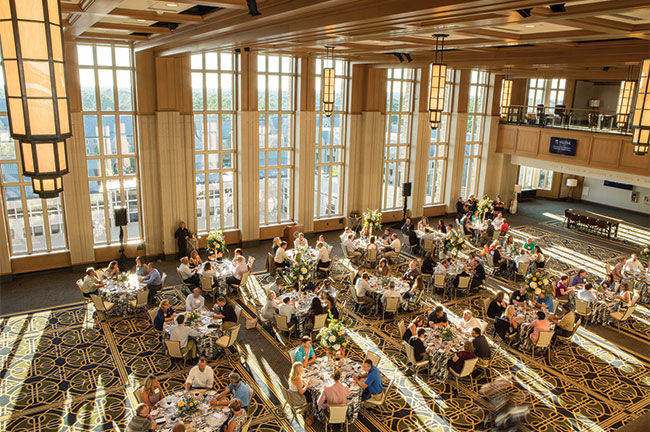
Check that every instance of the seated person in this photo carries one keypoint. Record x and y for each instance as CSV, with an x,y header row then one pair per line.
x,y
332,311
626,296
370,382
412,329
414,241
209,273
564,323
152,391
323,260
383,268
587,295
201,376
237,417
423,223
522,258
481,346
389,292
442,228
321,239
497,305
499,262
111,270
165,314
540,260
411,273
181,333
504,227
544,301
580,279
153,280
226,312
346,232
195,301
288,310
386,237
195,260
538,325
438,318
353,253
277,287
441,268
300,241
91,284
281,258
608,283
617,271
405,225
310,319
392,251
362,287
519,297
277,241
188,275
326,287
417,287
458,360
509,315
479,275
237,389
142,420
305,353
529,245
428,264
298,394
140,267
633,265
335,393
467,322
561,290
420,352
238,271
268,310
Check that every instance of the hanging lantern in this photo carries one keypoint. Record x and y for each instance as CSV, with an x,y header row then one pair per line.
x,y
328,75
506,95
641,115
37,98
47,187
624,105
437,85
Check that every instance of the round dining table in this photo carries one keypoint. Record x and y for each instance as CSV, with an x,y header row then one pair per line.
x,y
121,291
209,329
206,419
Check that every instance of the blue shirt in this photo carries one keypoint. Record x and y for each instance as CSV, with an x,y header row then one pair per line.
x,y
159,321
241,392
373,380
547,300
153,278
300,354
578,280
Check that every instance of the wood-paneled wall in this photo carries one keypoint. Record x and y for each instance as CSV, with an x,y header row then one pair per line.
x,y
596,150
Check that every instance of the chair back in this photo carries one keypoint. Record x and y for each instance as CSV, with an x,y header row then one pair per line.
x,y
490,260
141,298
138,394
427,244
419,297
345,251
174,348
486,304
99,274
409,351
392,303
628,313
482,325
439,280
244,279
402,328
237,311
163,279
608,269
575,328
234,332
496,234
582,307
371,255
98,302
152,314
468,367
206,284
319,321
338,414
353,291
281,322
523,268
80,284
270,264
374,358
463,282
501,327
246,425
544,339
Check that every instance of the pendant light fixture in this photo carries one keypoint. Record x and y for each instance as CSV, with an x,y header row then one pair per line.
x,y
328,75
641,114
437,84
624,105
506,94
31,37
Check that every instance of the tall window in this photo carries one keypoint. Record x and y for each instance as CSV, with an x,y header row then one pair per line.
x,y
213,100
535,178
547,92
106,75
34,224
474,134
438,149
556,92
275,102
330,145
536,88
397,144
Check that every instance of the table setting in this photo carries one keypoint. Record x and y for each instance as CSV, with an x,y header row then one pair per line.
x,y
222,269
121,290
442,343
192,408
320,373
209,329
379,286
308,254
525,315
605,305
641,280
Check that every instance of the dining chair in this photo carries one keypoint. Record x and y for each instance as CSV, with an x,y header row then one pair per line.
x,y
228,340
282,324
101,305
292,406
371,258
152,314
319,322
116,428
583,310
140,300
374,358
337,414
466,371
207,287
381,403
138,394
620,317
391,306
544,342
410,356
568,338
246,425
439,282
463,286
174,350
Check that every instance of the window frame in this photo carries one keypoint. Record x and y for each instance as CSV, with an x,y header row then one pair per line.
x,y
476,117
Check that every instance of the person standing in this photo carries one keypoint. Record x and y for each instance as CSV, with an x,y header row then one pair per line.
x,y
181,235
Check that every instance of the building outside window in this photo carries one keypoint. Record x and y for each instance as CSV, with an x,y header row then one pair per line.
x,y
476,110
535,178
106,77
214,100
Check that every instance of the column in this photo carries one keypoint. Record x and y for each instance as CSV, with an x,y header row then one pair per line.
x,y
305,145
458,127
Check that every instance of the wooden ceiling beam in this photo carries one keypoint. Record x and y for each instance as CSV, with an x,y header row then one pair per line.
x,y
91,15
599,25
225,4
154,16
491,34
71,8
132,28
113,36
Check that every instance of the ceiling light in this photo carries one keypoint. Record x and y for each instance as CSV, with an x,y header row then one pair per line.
x,y
328,82
506,95
437,84
529,26
641,116
141,20
172,5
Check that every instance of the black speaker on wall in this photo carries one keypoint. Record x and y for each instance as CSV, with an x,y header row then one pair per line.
x,y
119,214
406,189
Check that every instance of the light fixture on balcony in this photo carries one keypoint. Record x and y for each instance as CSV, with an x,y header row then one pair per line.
x,y
437,84
37,98
624,105
328,82
641,114
506,95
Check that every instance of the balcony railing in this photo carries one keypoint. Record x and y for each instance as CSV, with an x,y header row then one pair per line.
x,y
593,120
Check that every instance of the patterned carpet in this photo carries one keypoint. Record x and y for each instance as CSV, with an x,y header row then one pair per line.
x,y
65,370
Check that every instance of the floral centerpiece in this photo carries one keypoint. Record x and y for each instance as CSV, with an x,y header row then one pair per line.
x,y
645,252
371,221
191,316
455,242
217,241
536,282
300,271
187,406
447,334
485,206
334,336
384,281
123,277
